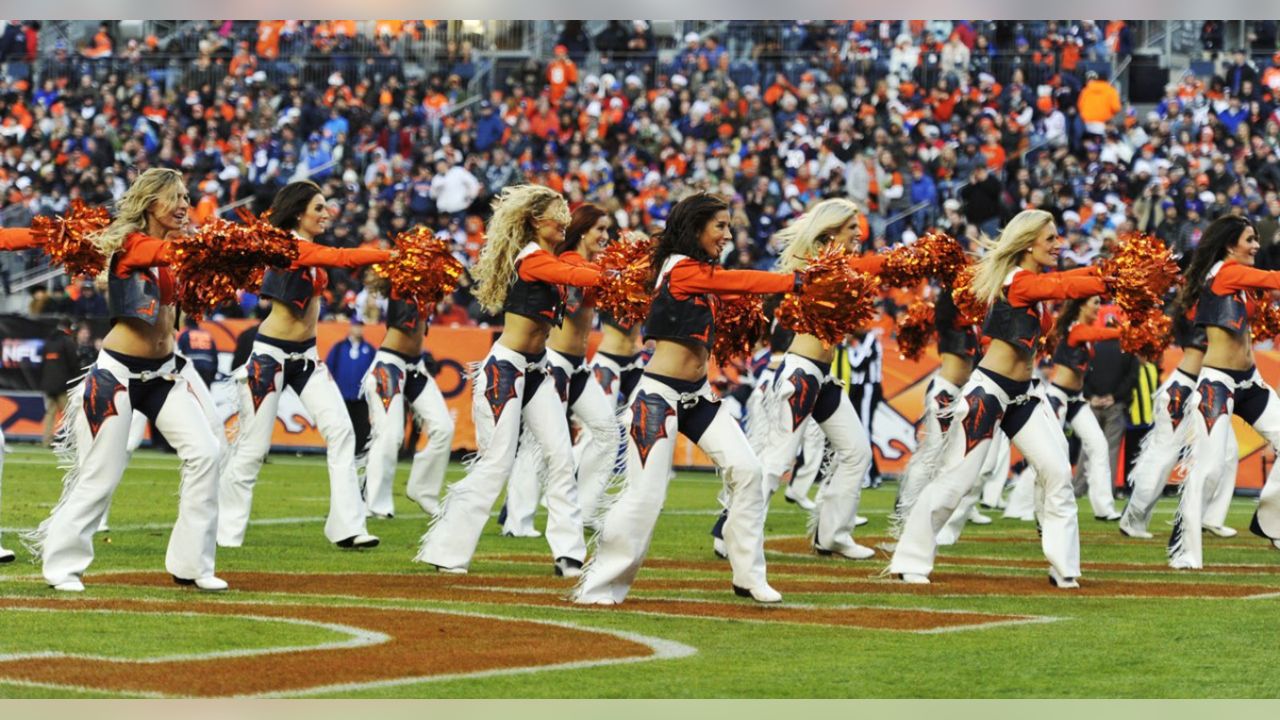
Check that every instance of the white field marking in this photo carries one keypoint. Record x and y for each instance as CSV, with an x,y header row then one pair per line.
x,y
359,637
1262,596
1015,619
662,649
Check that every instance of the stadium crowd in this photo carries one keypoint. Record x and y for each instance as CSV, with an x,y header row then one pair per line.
x,y
927,125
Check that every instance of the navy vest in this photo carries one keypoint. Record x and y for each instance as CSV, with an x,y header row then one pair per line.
x,y
1075,357
1189,335
688,320
1017,326
1228,312
294,287
538,300
137,295
402,315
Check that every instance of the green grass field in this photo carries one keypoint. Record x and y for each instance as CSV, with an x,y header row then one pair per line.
x,y
1112,639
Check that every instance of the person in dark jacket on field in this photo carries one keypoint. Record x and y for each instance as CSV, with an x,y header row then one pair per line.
x,y
59,365
348,361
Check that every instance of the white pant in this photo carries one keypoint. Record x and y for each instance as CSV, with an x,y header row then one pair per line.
x,y
618,381
813,450
1219,395
802,391
500,406
596,413
262,380
986,406
95,437
1163,447
1071,409
388,387
138,426
658,413
994,472
939,409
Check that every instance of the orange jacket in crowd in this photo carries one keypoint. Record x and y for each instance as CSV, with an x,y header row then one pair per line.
x,y
1099,101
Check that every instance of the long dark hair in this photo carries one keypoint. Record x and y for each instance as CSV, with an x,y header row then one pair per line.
x,y
291,202
584,218
684,227
1217,239
1066,318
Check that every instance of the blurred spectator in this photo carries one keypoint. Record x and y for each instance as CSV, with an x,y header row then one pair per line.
x,y
59,365
348,361
197,346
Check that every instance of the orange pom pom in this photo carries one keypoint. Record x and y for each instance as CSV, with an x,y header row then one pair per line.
x,y
972,311
916,329
628,266
424,270
740,323
936,255
1147,334
1264,324
834,301
1141,272
223,257
67,238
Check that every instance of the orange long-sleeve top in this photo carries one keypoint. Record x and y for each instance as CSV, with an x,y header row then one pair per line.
x,y
312,254
142,251
870,263
1028,287
1081,334
1234,277
574,258
17,239
542,266
690,277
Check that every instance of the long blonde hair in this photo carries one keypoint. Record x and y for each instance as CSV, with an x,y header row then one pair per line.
x,y
806,236
1005,253
511,228
157,185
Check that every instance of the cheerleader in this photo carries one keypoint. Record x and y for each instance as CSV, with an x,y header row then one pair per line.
x,y
519,275
1166,444
1010,279
809,460
584,400
12,239
1074,334
803,389
1218,283
618,362
398,382
957,352
674,396
136,369
284,357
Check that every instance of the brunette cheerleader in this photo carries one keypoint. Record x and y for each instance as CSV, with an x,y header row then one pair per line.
x,y
398,383
517,274
1218,283
674,396
1010,279
1074,335
136,369
957,352
584,400
284,357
